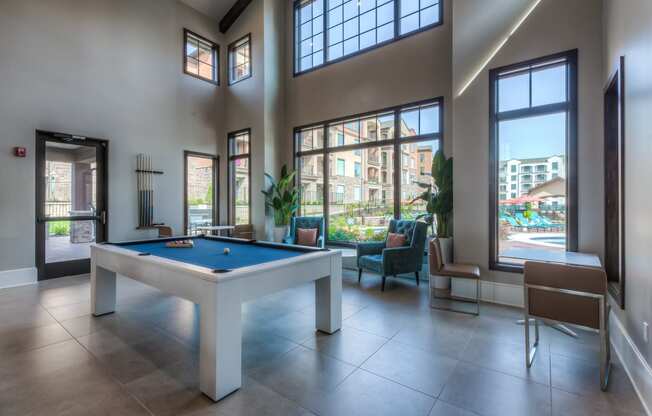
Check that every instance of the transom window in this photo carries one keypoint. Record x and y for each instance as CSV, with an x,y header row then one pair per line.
x,y
417,14
240,60
200,57
533,132
359,172
329,30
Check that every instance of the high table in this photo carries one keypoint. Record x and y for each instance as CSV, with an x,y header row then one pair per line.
x,y
219,282
216,229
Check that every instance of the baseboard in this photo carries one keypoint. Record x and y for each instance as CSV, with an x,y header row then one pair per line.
x,y
18,277
490,292
501,293
637,368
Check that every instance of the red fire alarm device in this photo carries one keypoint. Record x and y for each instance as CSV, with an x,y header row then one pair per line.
x,y
20,152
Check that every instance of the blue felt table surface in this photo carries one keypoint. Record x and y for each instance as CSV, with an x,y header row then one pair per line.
x,y
210,253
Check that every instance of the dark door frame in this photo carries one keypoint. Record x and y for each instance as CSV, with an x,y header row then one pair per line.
x,y
614,122
72,267
216,186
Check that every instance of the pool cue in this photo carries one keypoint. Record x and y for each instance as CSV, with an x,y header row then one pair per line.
x,y
151,190
145,194
139,188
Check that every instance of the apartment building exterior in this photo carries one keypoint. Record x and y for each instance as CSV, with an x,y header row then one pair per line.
x,y
519,176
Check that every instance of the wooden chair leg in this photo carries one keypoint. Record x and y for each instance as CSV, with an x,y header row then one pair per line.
x,y
382,287
359,275
416,274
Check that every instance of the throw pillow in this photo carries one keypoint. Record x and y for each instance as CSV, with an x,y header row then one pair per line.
x,y
307,236
396,240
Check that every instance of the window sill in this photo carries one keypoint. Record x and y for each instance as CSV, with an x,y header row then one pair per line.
x,y
506,267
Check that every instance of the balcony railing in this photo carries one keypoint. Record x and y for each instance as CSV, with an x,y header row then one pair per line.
x,y
373,160
58,208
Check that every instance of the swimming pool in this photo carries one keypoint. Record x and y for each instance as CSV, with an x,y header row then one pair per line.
x,y
558,241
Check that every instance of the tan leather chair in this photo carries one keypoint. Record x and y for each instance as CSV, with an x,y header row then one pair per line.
x,y
453,270
164,231
245,231
569,294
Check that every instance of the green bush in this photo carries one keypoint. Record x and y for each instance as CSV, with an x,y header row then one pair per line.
x,y
59,228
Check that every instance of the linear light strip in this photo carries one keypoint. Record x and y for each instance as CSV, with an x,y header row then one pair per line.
x,y
499,47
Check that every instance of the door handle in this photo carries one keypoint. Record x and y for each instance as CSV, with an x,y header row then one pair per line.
x,y
103,216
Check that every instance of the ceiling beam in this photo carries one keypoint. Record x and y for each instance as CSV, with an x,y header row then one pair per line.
x,y
233,14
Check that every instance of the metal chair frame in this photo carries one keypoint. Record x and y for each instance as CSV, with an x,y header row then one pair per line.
x,y
604,310
476,301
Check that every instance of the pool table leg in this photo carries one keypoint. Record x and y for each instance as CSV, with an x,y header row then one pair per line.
x,y
328,299
220,340
102,290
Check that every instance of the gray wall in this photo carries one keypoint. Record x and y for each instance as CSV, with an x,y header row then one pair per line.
x,y
244,106
546,31
628,32
109,69
258,103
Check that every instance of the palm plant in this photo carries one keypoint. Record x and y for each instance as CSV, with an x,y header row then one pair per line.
x,y
282,197
438,197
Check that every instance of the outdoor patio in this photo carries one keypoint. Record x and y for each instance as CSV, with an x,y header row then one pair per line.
x,y
59,248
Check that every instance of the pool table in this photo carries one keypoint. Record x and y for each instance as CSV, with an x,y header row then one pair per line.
x,y
219,283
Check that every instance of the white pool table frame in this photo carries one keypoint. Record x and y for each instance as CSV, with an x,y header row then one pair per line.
x,y
220,296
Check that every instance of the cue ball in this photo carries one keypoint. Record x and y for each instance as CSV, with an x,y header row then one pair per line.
x,y
227,250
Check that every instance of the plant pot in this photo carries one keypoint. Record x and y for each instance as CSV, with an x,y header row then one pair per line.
x,y
280,232
446,245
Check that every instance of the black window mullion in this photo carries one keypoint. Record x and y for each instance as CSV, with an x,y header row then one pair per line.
x,y
530,87
397,17
397,164
326,178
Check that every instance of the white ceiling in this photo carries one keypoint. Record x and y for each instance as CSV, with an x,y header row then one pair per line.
x,y
213,8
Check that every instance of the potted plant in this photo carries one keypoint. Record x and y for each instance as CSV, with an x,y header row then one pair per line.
x,y
283,199
439,207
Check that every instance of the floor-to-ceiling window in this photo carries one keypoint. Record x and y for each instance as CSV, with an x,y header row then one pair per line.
x,y
200,190
533,180
351,169
240,177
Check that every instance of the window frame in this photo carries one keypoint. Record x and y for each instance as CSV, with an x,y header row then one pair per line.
x,y
216,185
395,142
570,108
325,62
215,49
230,175
230,53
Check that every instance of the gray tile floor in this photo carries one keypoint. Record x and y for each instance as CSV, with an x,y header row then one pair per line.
x,y
394,356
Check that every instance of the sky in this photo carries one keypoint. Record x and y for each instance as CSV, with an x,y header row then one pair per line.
x,y
533,137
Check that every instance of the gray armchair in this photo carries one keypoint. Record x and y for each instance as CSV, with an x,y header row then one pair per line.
x,y
306,222
375,257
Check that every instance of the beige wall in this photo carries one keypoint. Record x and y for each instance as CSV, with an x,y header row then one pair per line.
x,y
258,102
546,31
414,68
110,69
628,32
244,108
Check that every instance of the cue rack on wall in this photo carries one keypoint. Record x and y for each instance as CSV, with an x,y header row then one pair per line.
x,y
145,186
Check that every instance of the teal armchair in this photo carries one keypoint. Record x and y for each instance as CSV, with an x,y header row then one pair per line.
x,y
375,257
306,222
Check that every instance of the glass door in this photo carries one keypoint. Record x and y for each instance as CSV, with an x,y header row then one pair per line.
x,y
200,192
70,202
